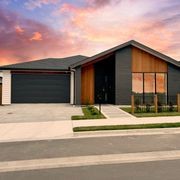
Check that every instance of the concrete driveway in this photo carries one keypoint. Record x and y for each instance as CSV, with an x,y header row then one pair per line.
x,y
37,112
26,122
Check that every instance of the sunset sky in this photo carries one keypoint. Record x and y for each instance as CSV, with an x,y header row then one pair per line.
x,y
36,29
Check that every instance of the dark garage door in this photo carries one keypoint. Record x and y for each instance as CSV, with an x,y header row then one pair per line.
x,y
40,88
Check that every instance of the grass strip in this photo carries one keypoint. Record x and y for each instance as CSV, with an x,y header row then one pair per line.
x,y
126,127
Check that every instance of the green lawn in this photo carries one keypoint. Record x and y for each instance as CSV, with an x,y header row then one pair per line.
x,y
150,114
126,127
90,112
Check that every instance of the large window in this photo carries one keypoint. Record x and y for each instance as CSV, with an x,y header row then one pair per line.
x,y
148,84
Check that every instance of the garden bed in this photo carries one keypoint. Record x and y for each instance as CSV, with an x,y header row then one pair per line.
x,y
151,113
90,112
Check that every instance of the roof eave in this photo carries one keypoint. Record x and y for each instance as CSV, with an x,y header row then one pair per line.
x,y
32,69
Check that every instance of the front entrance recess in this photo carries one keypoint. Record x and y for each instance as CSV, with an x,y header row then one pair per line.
x,y
105,81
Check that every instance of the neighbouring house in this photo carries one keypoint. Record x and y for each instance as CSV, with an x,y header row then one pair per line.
x,y
109,77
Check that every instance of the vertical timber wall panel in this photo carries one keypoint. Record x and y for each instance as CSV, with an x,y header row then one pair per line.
x,y
87,85
173,80
145,62
78,86
123,76
6,88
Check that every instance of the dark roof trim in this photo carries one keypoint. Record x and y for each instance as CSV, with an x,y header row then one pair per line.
x,y
31,69
39,72
129,43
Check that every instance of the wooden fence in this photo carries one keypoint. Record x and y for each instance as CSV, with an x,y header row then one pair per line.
x,y
156,106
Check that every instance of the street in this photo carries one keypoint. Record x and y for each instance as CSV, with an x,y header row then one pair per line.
x,y
159,170
88,146
132,157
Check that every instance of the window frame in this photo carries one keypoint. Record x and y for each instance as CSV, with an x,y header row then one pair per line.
x,y
155,73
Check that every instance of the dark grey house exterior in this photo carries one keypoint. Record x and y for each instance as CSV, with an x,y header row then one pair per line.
x,y
110,77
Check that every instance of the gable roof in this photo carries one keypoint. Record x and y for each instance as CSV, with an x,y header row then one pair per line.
x,y
63,64
46,64
129,43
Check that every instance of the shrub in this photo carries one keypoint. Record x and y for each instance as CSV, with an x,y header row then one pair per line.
x,y
90,107
94,111
171,107
148,107
160,107
137,105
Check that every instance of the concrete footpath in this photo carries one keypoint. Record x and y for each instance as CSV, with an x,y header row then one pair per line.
x,y
113,111
10,132
125,121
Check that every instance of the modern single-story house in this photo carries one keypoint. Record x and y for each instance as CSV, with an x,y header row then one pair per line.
x,y
110,77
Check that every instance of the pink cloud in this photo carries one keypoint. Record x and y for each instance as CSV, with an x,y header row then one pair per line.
x,y
19,48
116,22
90,29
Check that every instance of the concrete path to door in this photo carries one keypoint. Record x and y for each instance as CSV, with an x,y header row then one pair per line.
x,y
113,111
21,113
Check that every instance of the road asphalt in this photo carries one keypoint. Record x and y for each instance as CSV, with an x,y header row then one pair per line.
x,y
159,170
88,146
130,157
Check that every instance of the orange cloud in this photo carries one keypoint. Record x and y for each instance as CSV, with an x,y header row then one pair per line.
x,y
16,48
18,29
37,36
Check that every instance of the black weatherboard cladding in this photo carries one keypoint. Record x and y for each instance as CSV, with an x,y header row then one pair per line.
x,y
173,80
123,76
78,85
40,88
